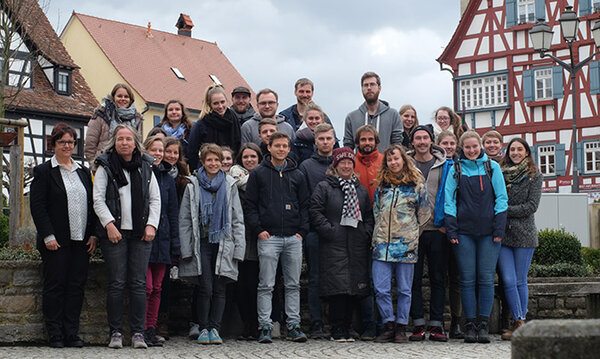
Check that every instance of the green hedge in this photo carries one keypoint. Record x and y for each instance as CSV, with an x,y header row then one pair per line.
x,y
3,230
591,258
557,246
559,270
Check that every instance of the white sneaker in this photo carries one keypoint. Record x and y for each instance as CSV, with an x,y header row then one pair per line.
x,y
194,331
138,342
116,340
276,331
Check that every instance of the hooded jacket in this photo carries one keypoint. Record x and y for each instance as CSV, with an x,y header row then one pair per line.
x,y
250,129
386,120
478,208
314,169
166,242
366,169
277,201
434,181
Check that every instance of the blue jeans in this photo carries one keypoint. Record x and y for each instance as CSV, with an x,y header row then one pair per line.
x,y
289,249
477,257
126,264
311,251
382,280
514,264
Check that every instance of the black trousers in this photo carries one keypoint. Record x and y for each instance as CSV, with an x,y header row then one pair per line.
x,y
65,273
245,292
341,307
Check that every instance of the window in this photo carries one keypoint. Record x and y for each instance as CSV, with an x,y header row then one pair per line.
x,y
596,5
543,84
526,11
489,91
63,83
49,148
546,160
215,79
177,73
592,156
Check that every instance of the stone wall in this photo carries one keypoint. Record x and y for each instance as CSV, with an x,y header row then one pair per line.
x,y
21,318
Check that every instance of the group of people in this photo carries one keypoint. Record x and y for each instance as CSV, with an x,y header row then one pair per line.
x,y
239,196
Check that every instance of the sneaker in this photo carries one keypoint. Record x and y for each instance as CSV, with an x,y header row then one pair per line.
x,y
470,331
194,331
264,335
316,330
116,340
354,334
203,337
57,342
482,332
295,334
370,333
338,335
388,333
214,337
437,334
151,338
400,336
276,330
138,342
418,334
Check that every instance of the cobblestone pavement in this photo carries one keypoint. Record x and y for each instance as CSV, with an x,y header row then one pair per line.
x,y
182,348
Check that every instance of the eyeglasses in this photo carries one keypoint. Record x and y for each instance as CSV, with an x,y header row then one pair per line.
x,y
442,118
267,103
66,143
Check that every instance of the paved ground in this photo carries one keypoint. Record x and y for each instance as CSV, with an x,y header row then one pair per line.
x,y
182,348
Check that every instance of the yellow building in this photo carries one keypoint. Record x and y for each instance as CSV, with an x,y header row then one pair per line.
x,y
157,65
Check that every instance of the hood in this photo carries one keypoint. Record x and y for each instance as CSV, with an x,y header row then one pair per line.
x,y
279,118
438,152
369,158
383,106
249,113
326,160
305,134
290,164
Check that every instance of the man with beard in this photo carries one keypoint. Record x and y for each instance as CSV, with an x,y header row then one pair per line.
x,y
368,158
240,99
385,119
267,103
303,90
430,160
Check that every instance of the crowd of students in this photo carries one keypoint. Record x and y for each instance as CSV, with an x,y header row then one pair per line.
x,y
239,196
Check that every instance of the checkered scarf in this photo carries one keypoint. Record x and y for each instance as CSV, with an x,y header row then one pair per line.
x,y
351,209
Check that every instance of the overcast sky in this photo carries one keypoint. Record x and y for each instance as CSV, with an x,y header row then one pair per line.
x,y
272,43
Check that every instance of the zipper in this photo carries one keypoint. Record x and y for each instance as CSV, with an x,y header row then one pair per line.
x,y
390,224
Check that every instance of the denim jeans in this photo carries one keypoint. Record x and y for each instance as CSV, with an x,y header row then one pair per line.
x,y
434,245
126,264
477,257
514,264
382,279
289,249
211,288
311,251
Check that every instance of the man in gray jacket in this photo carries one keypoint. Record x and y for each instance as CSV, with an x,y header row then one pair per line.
x,y
374,112
267,101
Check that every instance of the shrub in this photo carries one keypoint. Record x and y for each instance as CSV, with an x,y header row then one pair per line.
x,y
591,258
12,254
559,270
3,230
557,246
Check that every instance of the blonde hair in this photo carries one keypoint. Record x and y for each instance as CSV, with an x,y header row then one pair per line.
x,y
492,133
210,92
445,134
409,174
151,139
407,107
467,135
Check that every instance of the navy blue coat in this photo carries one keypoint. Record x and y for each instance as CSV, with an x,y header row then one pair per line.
x,y
166,241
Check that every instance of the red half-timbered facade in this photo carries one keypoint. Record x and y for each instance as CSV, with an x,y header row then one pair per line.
x,y
501,83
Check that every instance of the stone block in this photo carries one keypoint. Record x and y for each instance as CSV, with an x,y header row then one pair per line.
x,y
5,277
17,304
547,302
550,339
575,302
27,277
22,333
560,303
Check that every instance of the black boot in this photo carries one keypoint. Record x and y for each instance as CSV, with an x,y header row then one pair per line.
x,y
482,331
388,333
470,331
455,330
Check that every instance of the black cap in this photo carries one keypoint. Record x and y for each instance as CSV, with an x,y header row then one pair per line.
x,y
241,89
428,128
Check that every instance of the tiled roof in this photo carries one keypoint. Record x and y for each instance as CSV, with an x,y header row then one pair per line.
x,y
145,62
42,97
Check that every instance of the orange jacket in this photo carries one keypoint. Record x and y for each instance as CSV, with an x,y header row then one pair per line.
x,y
366,169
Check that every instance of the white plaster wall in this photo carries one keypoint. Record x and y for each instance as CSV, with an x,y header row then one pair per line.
x,y
520,58
519,115
591,131
498,3
585,110
520,39
481,67
556,36
464,69
565,138
509,40
545,136
568,109
498,44
467,48
476,24
528,138
500,64
561,53
587,180
537,113
483,119
484,48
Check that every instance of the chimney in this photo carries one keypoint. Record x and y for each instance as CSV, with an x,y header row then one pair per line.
x,y
149,32
184,25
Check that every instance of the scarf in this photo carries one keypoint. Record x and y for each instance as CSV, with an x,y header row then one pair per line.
x,y
214,211
241,175
117,166
177,132
351,210
515,173
116,116
174,171
223,130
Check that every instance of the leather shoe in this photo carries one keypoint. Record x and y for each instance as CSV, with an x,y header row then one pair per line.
x,y
57,342
74,342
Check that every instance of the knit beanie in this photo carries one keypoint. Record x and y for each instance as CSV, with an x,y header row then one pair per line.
x,y
342,153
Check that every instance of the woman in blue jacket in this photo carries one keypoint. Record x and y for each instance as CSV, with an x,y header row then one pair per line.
x,y
475,207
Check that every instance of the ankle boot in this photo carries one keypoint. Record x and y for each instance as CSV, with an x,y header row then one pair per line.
x,y
455,330
470,331
482,331
508,334
388,333
400,334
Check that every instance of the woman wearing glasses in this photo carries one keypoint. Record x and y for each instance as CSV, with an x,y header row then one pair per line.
x,y
217,124
62,189
445,119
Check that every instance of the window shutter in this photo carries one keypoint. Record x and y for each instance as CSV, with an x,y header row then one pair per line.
x,y
156,120
534,153
527,85
511,13
560,164
585,7
557,82
540,9
594,77
581,157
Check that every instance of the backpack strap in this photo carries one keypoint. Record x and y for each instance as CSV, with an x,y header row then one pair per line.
x,y
457,176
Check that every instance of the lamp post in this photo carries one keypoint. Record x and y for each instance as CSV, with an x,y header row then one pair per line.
x,y
541,39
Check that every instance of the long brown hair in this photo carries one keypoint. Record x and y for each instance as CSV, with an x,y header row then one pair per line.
x,y
409,175
455,120
184,116
507,161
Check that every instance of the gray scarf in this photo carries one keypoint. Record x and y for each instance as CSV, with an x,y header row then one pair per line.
x,y
116,116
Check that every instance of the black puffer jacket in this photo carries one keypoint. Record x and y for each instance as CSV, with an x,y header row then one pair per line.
x,y
344,251
277,202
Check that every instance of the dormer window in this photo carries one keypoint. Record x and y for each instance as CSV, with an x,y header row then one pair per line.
x,y
63,82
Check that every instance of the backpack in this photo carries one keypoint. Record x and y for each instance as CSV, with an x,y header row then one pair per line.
x,y
487,166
